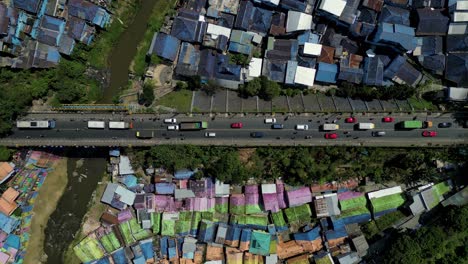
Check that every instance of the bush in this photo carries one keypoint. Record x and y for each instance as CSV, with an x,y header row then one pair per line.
x,y
5,153
147,97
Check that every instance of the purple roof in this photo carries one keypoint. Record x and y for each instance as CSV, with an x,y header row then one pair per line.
x,y
200,204
280,195
253,189
299,196
124,215
251,195
349,195
270,201
139,202
237,200
222,200
164,203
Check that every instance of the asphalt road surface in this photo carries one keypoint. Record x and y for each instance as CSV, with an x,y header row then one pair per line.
x,y
71,130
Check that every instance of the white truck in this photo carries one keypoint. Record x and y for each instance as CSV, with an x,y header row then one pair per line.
x,y
366,126
97,124
119,125
330,127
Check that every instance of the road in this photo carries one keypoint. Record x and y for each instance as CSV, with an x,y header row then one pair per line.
x,y
71,130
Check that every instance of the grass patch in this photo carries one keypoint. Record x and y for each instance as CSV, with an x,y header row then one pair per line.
x,y
421,104
161,8
180,100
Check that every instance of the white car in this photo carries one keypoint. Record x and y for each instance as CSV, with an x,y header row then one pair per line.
x,y
270,120
170,121
302,127
175,127
210,134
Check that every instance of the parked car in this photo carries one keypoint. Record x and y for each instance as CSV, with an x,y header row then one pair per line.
x,y
210,134
170,121
350,120
277,126
236,125
427,133
388,119
174,127
445,125
257,134
270,120
378,133
331,136
302,127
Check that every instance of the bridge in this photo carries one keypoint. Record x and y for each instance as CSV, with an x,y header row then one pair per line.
x,y
71,130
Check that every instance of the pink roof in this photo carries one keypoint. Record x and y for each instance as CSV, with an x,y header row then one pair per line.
x,y
280,194
124,215
299,196
222,200
270,202
237,199
164,203
253,189
349,195
252,198
4,257
200,204
183,184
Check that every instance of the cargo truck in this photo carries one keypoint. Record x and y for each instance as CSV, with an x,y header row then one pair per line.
x,y
144,134
35,124
365,126
415,124
330,127
198,125
120,125
97,124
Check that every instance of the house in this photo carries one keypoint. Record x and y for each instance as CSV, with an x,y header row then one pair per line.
x,y
125,166
252,199
360,244
304,76
299,196
430,54
375,5
31,6
311,49
394,15
189,29
365,23
374,70
164,46
326,205
457,94
90,12
350,70
189,58
348,258
332,7
216,37
297,5
7,201
431,22
400,71
7,169
457,69
50,31
350,12
327,55
395,34
214,66
241,42
310,240
227,6
457,29
274,70
386,200
270,200
222,189
326,72
260,243
298,21
252,18
255,68
117,196
79,30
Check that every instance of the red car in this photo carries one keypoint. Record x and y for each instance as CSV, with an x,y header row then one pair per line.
x,y
350,120
331,136
426,133
236,125
388,119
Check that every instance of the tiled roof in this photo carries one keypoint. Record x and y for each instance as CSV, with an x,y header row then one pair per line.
x,y
373,4
395,15
457,69
432,22
327,54
400,69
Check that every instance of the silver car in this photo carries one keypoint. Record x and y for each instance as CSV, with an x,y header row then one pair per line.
x,y
378,133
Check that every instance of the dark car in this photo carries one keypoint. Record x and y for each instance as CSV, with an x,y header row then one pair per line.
x,y
257,134
445,125
277,126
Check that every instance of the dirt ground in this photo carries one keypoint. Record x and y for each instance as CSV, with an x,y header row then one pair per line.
x,y
245,154
46,201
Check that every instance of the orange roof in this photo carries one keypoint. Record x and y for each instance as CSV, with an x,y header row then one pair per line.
x,y
10,195
5,169
7,207
214,253
288,249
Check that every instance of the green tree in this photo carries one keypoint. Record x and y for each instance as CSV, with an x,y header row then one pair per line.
x,y
269,90
194,82
252,88
147,97
181,86
5,153
210,87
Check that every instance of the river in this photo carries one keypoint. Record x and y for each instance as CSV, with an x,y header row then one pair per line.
x,y
125,50
65,221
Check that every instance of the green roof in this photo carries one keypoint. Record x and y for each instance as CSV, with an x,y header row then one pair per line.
x,y
89,249
259,220
126,233
260,243
253,209
387,202
300,213
441,189
110,242
138,232
168,228
222,208
353,203
278,219
156,222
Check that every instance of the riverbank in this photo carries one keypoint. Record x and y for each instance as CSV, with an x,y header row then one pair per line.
x,y
90,221
46,202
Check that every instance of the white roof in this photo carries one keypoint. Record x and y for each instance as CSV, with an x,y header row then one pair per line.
x,y
304,76
385,192
457,93
274,2
462,5
312,49
271,259
222,189
255,67
268,188
298,21
334,7
126,196
215,31
170,216
124,166
460,16
457,28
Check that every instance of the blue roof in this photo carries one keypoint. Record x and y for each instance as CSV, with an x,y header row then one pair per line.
x,y
139,260
28,5
164,246
240,48
164,188
187,29
119,256
357,219
274,70
189,58
326,72
8,224
310,235
308,36
114,152
165,46
395,15
374,70
246,234
252,18
89,12
400,68
398,34
12,241
130,181
290,72
338,231
79,30
352,75
233,233
297,5
184,174
207,231
104,260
